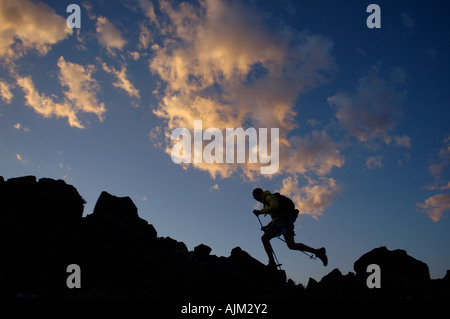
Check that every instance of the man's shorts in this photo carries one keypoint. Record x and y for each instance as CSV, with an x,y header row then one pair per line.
x,y
281,227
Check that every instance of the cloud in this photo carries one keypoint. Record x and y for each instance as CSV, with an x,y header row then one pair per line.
x,y
435,206
134,55
108,36
19,127
149,10
5,92
45,105
313,198
81,87
122,81
80,96
29,25
142,197
437,168
444,187
316,153
438,187
403,141
222,63
21,159
372,112
374,162
213,188
144,37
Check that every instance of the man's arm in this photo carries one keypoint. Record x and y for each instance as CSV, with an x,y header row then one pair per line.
x,y
272,205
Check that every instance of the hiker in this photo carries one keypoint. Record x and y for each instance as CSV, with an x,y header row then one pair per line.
x,y
282,223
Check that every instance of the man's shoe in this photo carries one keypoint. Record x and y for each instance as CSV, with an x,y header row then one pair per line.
x,y
322,255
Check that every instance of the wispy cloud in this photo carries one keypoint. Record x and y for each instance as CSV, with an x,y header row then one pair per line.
x,y
80,95
122,81
21,159
109,36
29,25
145,37
374,162
19,127
371,113
45,105
5,91
215,187
437,167
404,141
82,87
315,153
435,206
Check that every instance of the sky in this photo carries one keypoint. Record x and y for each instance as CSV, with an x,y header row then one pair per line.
x,y
360,101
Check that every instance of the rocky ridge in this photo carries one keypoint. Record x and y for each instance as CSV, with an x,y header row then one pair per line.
x,y
121,256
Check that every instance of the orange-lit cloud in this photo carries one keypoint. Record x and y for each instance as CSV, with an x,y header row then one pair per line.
x,y
221,64
122,81
435,206
29,25
437,168
313,198
80,94
5,92
81,87
316,153
108,35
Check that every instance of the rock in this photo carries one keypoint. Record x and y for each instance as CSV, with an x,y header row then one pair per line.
x,y
401,275
396,262
202,251
115,207
62,201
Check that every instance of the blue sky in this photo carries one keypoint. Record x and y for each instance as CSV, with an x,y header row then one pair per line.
x,y
363,117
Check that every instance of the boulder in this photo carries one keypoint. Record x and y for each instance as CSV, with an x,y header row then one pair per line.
x,y
395,262
402,276
202,251
111,206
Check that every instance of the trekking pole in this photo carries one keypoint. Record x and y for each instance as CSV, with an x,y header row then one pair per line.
x,y
311,256
273,252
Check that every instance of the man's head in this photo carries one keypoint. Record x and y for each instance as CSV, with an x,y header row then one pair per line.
x,y
257,192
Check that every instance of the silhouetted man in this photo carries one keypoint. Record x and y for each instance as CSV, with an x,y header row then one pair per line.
x,y
281,224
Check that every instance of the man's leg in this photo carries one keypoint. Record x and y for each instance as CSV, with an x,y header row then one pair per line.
x,y
267,246
320,253
298,246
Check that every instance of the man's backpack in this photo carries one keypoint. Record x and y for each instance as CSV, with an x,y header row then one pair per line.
x,y
287,206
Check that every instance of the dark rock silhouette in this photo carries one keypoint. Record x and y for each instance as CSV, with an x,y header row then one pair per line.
x,y
402,274
42,231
